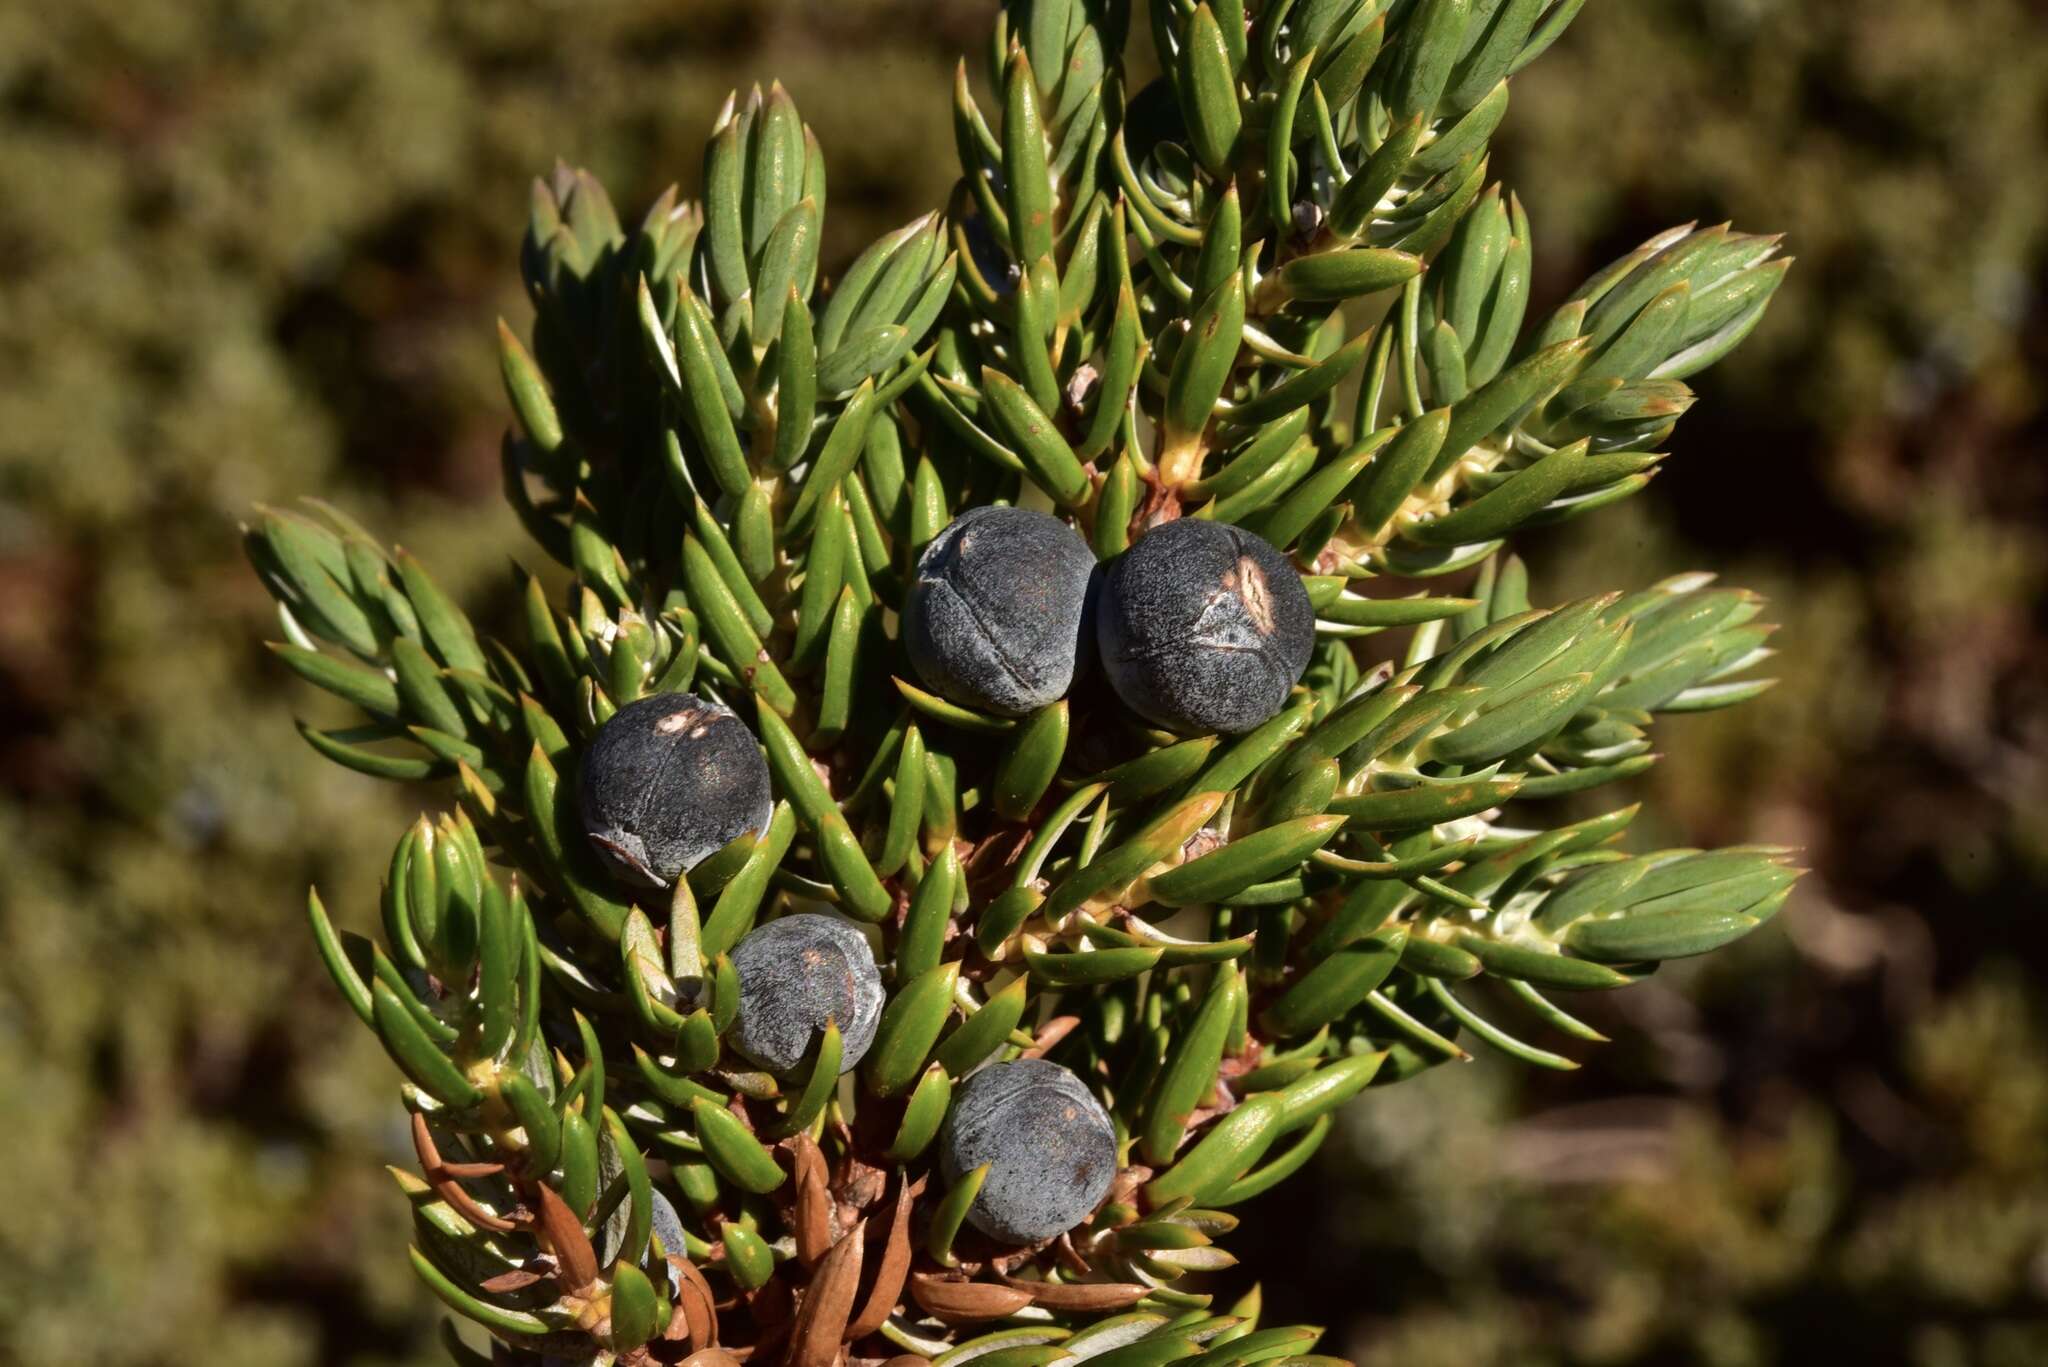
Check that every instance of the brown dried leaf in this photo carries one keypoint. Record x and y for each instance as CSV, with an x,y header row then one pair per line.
x,y
895,1265
772,1307
1123,1188
575,1259
1080,1297
465,1205
966,1301
441,1176
424,1146
697,1310
1002,1264
828,1302
518,1279
859,1186
1050,1034
813,1213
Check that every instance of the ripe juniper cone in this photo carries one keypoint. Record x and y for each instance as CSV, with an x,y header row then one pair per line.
x,y
996,616
796,974
669,781
1204,627
1051,1148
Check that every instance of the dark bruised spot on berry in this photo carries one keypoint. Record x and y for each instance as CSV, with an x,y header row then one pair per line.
x,y
668,782
1050,1146
797,973
997,616
1203,626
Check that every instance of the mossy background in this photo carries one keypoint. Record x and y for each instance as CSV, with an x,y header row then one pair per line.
x,y
254,248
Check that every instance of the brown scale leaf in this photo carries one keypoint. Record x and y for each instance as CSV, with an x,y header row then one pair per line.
x,y
1202,1115
1235,1066
1070,1257
1161,505
828,1303
991,859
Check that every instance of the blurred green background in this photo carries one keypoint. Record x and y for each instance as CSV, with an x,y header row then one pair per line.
x,y
254,248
